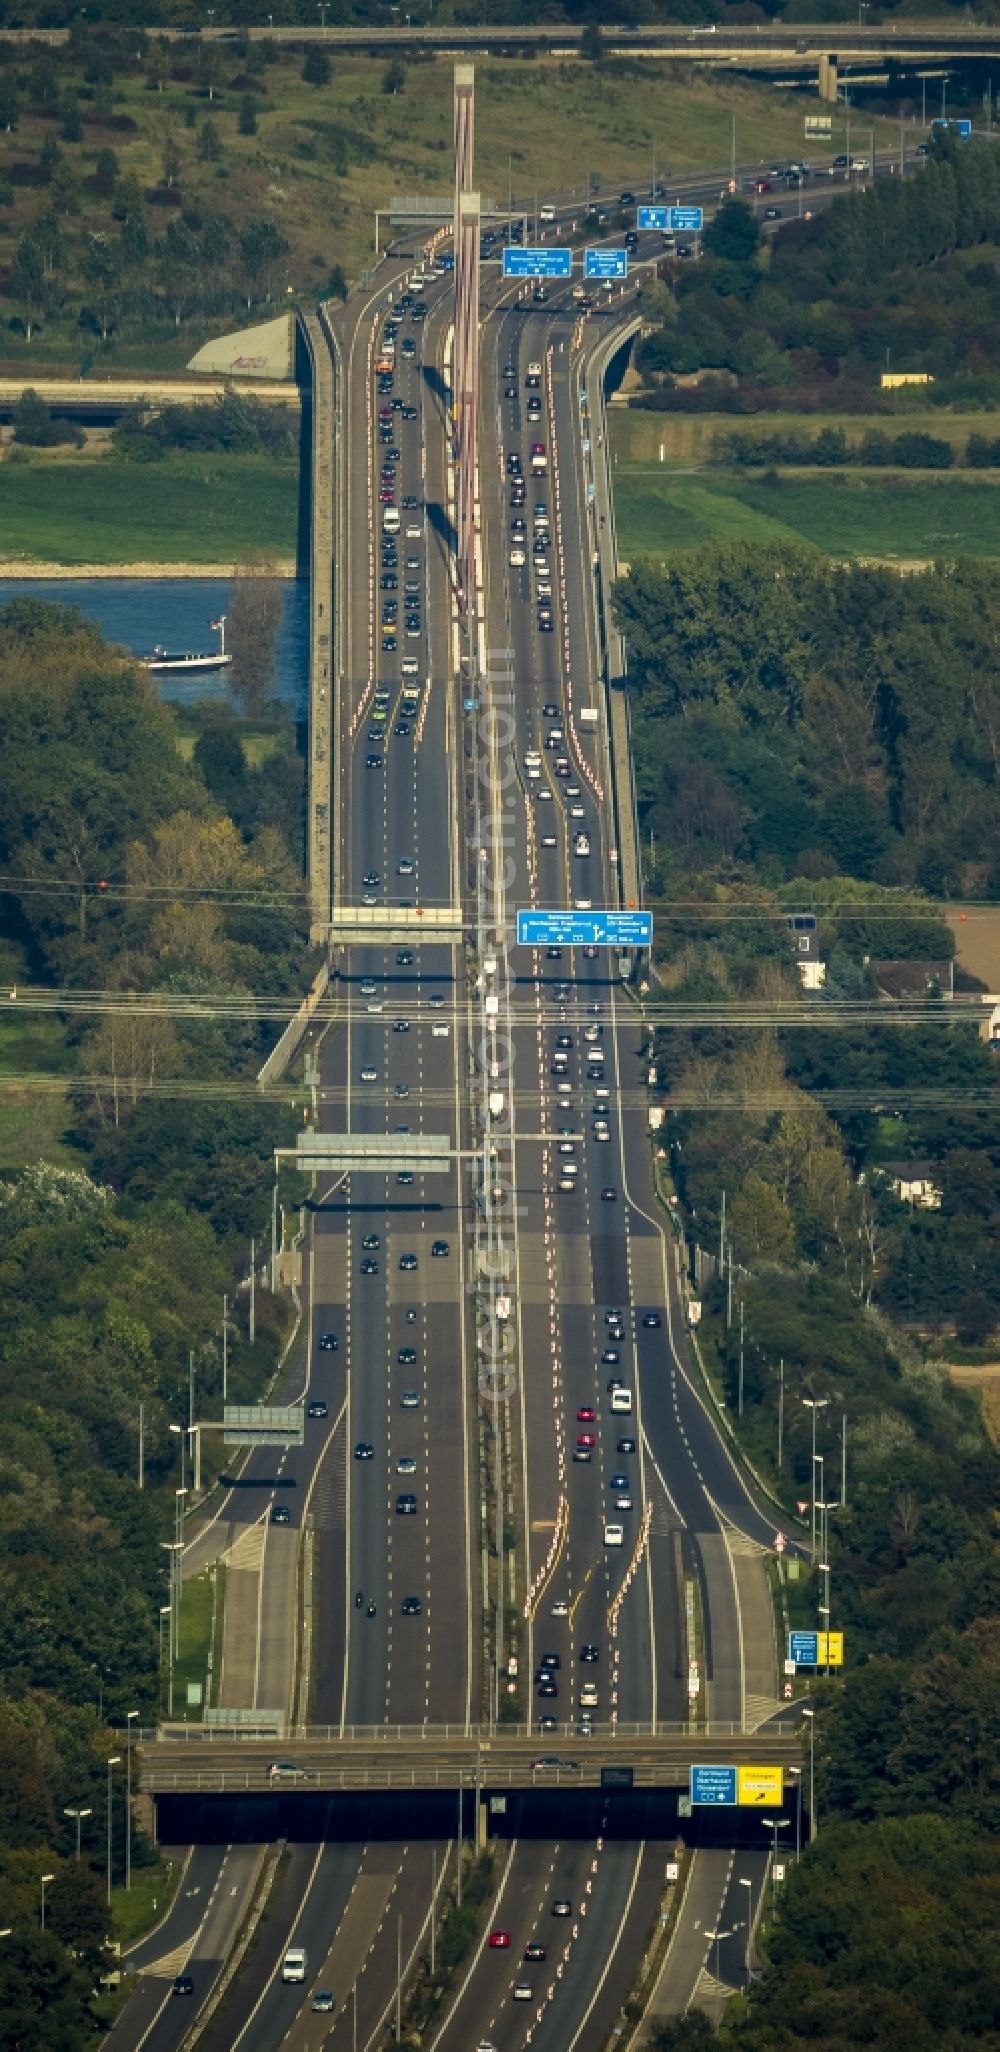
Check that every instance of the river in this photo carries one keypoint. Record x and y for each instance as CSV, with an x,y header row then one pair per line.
x,y
141,613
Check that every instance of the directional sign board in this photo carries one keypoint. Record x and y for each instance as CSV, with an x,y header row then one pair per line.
x,y
263,1425
816,1649
605,263
680,220
713,1787
537,262
599,929
960,127
758,1787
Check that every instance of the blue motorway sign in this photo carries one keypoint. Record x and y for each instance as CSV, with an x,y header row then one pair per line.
x,y
685,220
537,262
803,1648
598,929
680,220
605,263
960,127
713,1786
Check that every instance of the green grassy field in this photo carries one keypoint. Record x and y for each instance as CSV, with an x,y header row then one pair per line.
x,y
32,1122
144,1904
201,1604
902,517
686,438
187,509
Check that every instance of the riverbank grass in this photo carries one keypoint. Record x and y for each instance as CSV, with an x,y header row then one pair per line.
x,y
905,517
188,508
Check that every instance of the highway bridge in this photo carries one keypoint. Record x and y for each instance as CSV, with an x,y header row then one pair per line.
x,y
424,1757
474,1528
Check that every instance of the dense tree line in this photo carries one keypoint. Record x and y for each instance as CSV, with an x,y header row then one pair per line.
x,y
804,736
876,280
183,15
814,719
832,449
235,423
124,868
94,245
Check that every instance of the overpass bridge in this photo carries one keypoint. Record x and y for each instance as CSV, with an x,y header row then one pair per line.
x,y
397,1759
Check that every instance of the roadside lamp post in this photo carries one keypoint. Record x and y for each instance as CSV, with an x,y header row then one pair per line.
x,y
181,1435
130,1716
173,1547
808,1711
744,1881
46,1878
78,1815
797,1772
775,1824
814,1404
114,1760
166,1610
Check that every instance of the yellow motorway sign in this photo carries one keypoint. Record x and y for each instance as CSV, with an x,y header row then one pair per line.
x,y
830,1649
758,1788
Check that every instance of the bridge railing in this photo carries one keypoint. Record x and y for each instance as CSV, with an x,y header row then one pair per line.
x,y
460,1734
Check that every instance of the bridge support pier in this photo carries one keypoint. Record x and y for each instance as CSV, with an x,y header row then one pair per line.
x,y
481,1824
827,81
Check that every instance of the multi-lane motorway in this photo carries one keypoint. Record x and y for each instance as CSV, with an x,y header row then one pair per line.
x,y
624,1554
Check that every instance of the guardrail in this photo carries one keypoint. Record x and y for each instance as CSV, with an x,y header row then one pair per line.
x,y
317,335
632,1731
606,570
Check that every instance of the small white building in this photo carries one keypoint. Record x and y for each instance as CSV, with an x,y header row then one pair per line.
x,y
805,941
914,1183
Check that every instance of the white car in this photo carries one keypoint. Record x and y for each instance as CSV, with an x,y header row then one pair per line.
x,y
410,666
368,1074
614,1535
517,559
548,840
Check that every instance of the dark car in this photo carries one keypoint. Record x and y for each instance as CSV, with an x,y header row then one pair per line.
x,y
440,1247
281,1515
535,1949
407,1357
407,1263
369,1265
651,1320
328,1342
317,1409
406,1504
371,1243
364,1450
411,1606
182,1985
626,1445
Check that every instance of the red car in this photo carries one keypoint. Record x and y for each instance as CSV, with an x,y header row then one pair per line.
x,y
585,1439
499,1940
586,1414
